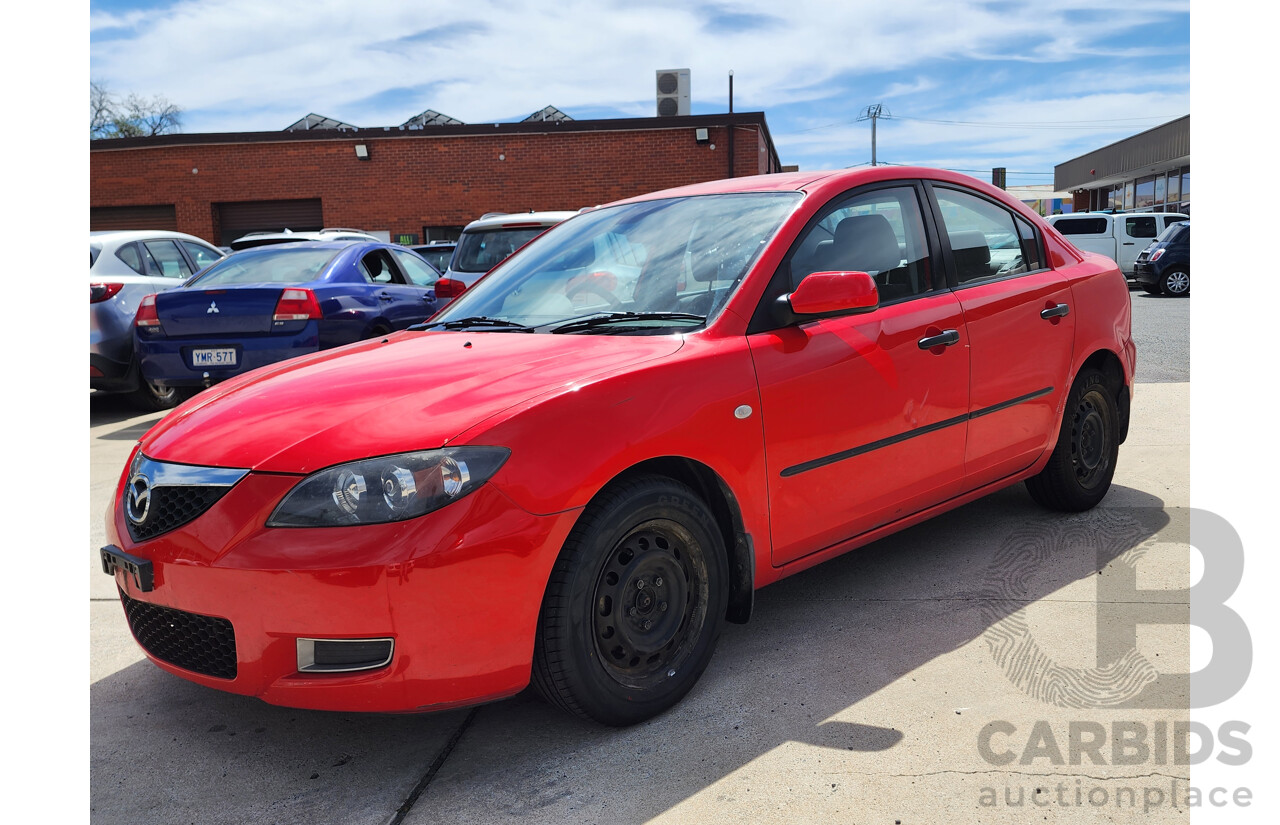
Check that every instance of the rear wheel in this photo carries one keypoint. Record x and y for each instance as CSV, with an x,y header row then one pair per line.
x,y
1079,472
634,605
152,398
1176,282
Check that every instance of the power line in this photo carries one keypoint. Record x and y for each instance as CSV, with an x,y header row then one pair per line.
x,y
1030,124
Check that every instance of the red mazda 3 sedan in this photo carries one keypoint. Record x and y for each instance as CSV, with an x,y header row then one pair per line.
x,y
585,466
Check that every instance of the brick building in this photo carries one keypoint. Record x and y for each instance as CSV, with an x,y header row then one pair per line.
x,y
411,183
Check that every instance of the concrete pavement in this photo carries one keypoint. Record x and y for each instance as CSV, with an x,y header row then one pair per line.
x,y
859,692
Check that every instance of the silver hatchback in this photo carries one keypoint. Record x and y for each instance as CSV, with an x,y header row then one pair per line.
x,y
125,267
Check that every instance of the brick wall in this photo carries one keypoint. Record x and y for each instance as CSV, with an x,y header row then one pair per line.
x,y
411,181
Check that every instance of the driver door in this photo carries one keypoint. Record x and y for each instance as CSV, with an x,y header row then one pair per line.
x,y
862,424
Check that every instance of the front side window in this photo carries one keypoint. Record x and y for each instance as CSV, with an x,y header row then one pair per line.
x,y
879,232
985,242
419,271
201,254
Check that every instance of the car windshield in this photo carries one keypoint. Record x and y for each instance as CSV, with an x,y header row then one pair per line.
x,y
283,264
482,250
679,255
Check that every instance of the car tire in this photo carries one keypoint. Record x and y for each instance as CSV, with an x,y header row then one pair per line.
x,y
634,605
1152,289
1083,463
1176,282
152,398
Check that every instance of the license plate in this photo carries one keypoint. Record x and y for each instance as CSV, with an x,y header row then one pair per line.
x,y
220,357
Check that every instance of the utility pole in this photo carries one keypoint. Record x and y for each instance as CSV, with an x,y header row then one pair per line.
x,y
876,110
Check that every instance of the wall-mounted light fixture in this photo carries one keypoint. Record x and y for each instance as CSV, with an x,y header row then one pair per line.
x,y
700,135
362,151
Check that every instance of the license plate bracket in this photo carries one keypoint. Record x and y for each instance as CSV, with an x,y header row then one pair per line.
x,y
113,559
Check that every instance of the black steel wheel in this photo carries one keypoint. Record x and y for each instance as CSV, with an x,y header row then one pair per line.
x,y
634,605
1083,463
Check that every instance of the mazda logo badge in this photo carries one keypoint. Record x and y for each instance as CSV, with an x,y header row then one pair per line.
x,y
137,498
213,308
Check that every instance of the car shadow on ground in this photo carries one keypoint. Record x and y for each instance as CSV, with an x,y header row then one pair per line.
x,y
818,644
112,408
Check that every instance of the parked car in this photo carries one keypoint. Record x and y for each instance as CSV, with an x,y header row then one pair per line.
x,y
254,239
576,480
124,267
264,305
1120,236
490,240
437,253
1165,266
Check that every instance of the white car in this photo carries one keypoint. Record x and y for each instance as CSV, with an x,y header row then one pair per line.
x,y
124,268
287,236
488,241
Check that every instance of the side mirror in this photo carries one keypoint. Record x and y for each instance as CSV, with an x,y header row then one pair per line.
x,y
829,293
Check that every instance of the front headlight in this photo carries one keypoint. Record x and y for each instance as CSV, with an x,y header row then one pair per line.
x,y
391,488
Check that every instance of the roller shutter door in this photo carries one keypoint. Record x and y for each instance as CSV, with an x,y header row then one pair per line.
x,y
236,219
114,218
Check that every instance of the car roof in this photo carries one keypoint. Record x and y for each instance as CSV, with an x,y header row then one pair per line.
x,y
126,235
519,219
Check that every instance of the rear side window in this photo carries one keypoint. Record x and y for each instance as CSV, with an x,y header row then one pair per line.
x,y
1081,226
169,259
1141,226
129,254
984,239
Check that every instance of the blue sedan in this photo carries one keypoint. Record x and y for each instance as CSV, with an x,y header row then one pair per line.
x,y
263,305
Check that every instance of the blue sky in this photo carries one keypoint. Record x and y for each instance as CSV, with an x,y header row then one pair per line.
x,y
969,85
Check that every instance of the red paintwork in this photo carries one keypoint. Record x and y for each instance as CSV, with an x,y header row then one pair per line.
x,y
460,589
834,291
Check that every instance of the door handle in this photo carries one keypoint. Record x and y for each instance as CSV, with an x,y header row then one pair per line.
x,y
943,339
1060,311
386,296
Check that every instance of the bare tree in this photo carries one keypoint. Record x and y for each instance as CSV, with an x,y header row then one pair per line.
x,y
134,116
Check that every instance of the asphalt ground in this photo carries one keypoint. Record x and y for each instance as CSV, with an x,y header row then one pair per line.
x,y
859,691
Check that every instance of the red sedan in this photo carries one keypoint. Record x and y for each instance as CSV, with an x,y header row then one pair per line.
x,y
587,463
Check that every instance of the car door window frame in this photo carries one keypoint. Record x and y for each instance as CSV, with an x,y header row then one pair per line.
x,y
764,318
944,240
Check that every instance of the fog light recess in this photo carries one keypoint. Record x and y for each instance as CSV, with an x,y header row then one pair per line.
x,y
343,655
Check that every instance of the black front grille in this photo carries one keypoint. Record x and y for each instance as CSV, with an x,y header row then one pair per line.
x,y
172,507
201,644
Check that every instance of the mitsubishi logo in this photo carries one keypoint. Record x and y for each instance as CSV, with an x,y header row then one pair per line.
x,y
213,308
137,498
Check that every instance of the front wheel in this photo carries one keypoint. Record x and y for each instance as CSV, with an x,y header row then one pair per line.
x,y
1079,472
1176,282
634,605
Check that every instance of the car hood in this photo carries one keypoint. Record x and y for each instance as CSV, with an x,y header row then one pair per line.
x,y
409,391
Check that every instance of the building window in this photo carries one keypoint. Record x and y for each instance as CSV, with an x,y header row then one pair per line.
x,y
1144,193
1128,195
1175,187
1160,191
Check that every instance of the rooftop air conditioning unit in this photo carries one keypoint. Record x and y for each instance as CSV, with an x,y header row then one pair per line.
x,y
673,92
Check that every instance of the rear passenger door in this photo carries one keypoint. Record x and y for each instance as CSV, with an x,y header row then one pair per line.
x,y
401,303
1021,330
1136,234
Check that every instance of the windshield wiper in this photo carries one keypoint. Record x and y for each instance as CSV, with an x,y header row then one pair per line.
x,y
475,321
610,318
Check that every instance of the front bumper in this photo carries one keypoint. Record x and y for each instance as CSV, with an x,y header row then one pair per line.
x,y
458,590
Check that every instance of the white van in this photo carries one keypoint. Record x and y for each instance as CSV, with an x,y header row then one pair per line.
x,y
1119,236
